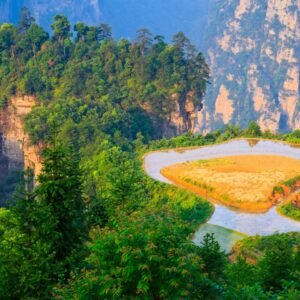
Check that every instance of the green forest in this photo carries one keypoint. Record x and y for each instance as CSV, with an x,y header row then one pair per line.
x,y
95,226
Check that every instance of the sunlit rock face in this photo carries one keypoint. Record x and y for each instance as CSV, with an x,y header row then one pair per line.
x,y
253,52
15,143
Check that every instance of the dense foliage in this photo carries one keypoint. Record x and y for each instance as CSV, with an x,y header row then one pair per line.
x,y
128,87
42,235
96,227
291,209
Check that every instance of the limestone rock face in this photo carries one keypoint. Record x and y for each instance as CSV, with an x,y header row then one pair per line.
x,y
253,51
184,114
16,146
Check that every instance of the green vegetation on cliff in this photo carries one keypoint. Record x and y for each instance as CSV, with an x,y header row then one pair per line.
x,y
129,87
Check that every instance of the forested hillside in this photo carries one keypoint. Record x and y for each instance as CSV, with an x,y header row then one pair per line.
x,y
95,226
145,86
251,46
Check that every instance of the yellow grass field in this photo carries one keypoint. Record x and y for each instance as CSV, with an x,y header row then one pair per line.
x,y
244,182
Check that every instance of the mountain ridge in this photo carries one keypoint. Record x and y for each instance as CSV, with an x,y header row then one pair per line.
x,y
252,49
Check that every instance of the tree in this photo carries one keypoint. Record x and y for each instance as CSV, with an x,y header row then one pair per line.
x,y
26,20
253,130
181,42
35,37
60,189
145,256
144,40
144,43
198,74
213,257
118,179
32,82
42,236
27,250
61,28
92,33
7,36
82,30
104,32
277,264
240,274
125,178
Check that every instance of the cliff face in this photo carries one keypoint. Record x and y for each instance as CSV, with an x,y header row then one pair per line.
x,y
253,52
16,145
184,115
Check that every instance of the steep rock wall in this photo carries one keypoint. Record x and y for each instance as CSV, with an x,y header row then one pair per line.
x,y
184,114
178,114
16,144
253,50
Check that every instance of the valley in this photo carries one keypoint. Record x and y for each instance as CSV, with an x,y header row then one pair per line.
x,y
140,167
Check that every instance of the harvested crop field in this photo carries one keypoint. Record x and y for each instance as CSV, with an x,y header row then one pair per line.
x,y
245,182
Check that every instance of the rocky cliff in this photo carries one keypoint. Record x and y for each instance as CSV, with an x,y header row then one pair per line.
x,y
253,52
183,116
16,146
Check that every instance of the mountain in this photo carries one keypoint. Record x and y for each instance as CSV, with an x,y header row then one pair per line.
x,y
253,52
252,48
44,10
161,17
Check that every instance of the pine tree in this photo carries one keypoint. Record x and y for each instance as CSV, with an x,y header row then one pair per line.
x,y
60,189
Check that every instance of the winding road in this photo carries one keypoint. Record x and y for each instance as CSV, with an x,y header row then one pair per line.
x,y
247,223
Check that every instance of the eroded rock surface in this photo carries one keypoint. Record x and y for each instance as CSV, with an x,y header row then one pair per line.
x,y
16,144
184,114
253,52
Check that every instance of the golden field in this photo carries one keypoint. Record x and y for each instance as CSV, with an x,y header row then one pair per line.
x,y
245,182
